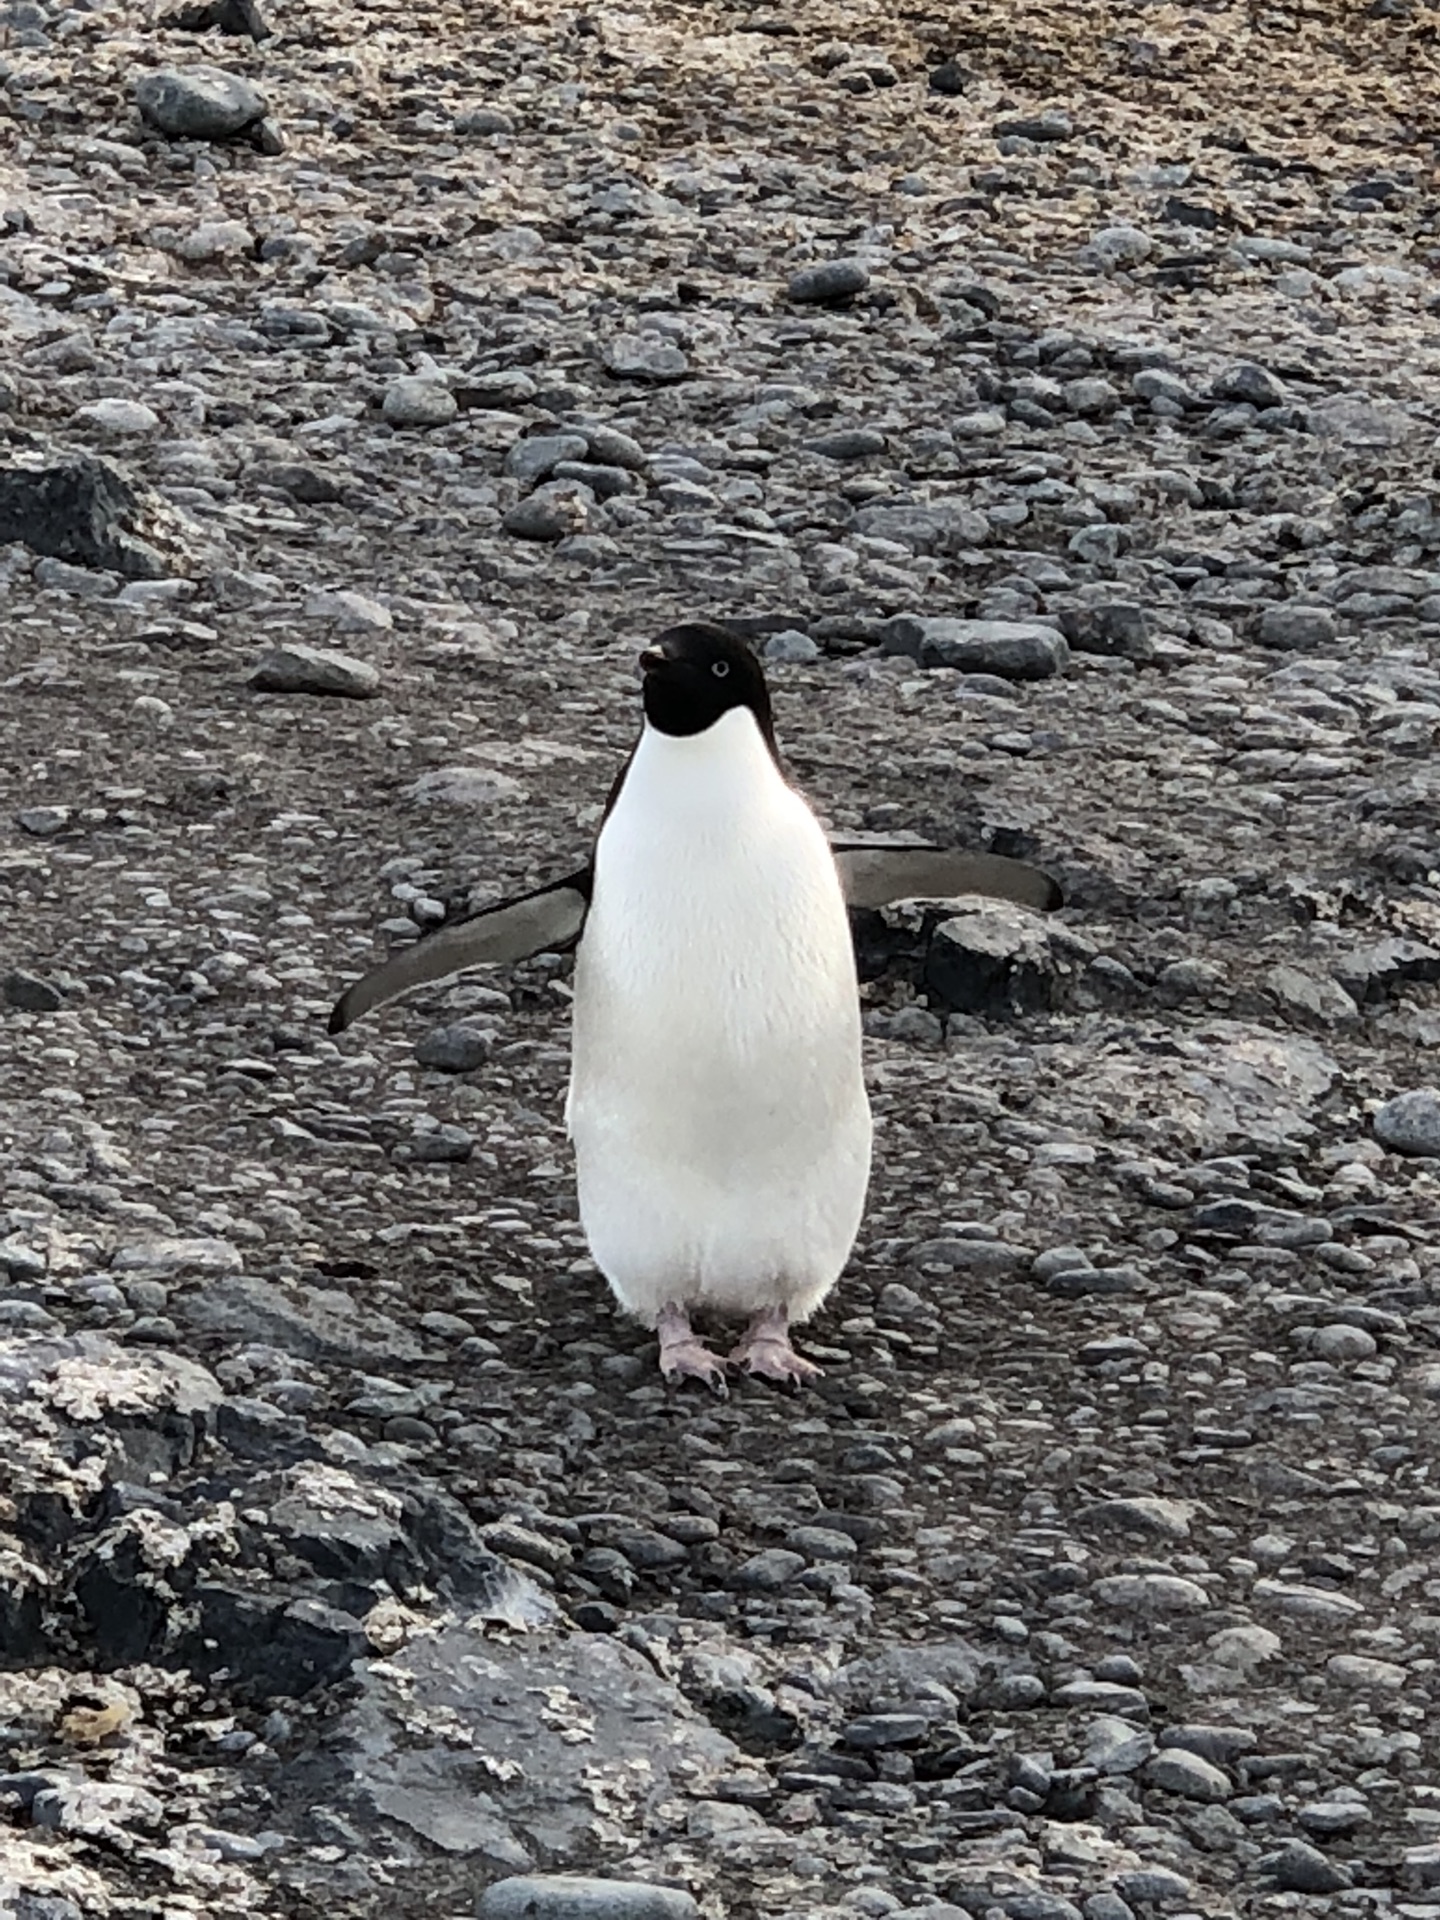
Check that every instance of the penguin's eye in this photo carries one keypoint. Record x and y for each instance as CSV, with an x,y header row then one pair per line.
x,y
720,668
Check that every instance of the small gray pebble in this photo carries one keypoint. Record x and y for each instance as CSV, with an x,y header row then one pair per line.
x,y
1410,1123
828,282
1300,1868
457,1049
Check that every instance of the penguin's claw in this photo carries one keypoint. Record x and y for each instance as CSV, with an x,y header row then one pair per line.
x,y
685,1356
692,1360
764,1351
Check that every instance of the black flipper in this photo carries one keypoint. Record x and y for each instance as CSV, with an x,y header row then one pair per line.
x,y
546,921
877,872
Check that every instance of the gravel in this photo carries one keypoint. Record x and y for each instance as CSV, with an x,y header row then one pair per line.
x,y
1055,406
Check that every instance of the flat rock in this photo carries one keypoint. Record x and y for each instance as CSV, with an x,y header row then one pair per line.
x,y
1012,649
296,668
573,1896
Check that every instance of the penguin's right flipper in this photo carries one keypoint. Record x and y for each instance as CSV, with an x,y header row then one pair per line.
x,y
547,921
877,872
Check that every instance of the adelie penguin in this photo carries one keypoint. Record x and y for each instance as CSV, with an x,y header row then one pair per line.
x,y
717,1101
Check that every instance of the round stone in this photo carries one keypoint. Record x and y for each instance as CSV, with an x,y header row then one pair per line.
x,y
117,418
198,103
417,400
1342,1343
827,283
1410,1123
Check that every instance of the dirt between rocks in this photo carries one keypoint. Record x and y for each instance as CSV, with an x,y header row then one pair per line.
x,y
1053,392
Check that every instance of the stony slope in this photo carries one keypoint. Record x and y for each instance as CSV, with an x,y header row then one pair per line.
x,y
351,1557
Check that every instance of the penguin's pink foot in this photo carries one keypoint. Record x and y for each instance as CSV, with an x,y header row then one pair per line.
x,y
685,1356
764,1349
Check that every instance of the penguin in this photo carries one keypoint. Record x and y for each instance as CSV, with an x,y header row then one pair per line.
x,y
717,1107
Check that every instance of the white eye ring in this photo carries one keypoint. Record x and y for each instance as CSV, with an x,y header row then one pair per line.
x,y
720,668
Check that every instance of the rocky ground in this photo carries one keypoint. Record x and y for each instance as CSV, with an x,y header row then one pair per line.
x,y
351,1556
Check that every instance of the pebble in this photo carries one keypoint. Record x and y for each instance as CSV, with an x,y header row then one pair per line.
x,y
294,668
645,357
415,400
770,1569
30,994
1410,1123
119,419
828,283
1297,629
1300,1868
570,1896
1343,1344
556,510
1365,1673
1012,649
538,456
457,1049
198,103
1151,1593
791,649
1178,1771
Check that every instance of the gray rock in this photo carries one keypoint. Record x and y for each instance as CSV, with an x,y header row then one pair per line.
x,y
419,400
28,993
1343,1345
994,959
936,527
1113,1745
294,668
1223,1745
1013,649
1119,246
1297,629
1333,1816
981,1257
318,1323
198,103
1309,996
1146,1515
644,356
1174,1770
481,120
613,448
1299,1868
1151,1593
848,443
1410,1123
1152,1886
1421,1865
457,1049
43,822
534,458
573,1896
828,283
82,511
772,1568
442,1145
1158,383
556,510
791,648
1250,384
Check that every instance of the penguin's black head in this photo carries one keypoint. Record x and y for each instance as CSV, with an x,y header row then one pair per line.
x,y
694,675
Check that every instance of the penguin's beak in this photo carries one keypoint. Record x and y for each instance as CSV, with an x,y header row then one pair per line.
x,y
652,658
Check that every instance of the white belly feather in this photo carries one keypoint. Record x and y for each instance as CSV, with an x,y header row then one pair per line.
x,y
717,1105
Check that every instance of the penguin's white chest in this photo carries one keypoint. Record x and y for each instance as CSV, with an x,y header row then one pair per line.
x,y
717,1104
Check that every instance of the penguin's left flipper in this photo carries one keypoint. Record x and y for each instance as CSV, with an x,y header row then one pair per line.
x,y
546,921
876,873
